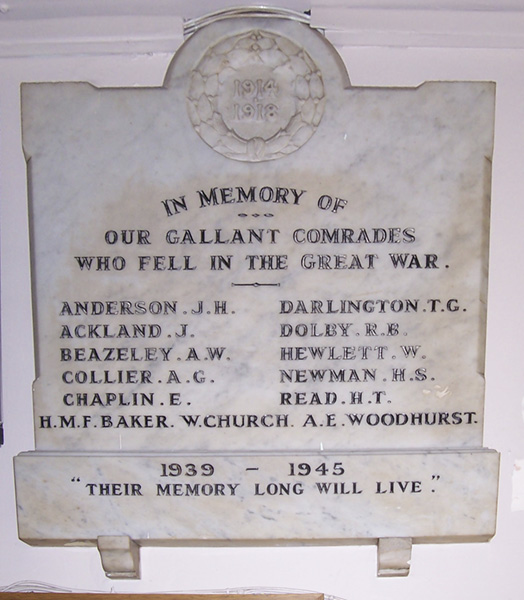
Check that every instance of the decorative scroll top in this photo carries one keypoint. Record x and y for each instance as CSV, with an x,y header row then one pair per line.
x,y
256,96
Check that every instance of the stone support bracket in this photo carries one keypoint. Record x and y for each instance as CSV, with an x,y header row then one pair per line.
x,y
394,557
120,556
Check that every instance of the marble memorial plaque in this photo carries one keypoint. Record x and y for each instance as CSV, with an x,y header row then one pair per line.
x,y
259,292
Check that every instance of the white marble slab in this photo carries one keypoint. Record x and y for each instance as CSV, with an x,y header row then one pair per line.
x,y
258,258
398,177
189,499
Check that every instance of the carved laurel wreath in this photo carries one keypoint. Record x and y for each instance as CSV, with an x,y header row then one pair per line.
x,y
236,57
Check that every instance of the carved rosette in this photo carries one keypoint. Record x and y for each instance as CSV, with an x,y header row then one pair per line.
x,y
256,96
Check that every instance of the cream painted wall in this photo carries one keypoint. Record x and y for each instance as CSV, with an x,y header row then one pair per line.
x,y
466,571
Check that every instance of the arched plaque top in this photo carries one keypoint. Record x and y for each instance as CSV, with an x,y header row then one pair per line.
x,y
256,88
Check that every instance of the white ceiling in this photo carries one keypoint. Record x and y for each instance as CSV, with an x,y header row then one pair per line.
x,y
49,9
50,27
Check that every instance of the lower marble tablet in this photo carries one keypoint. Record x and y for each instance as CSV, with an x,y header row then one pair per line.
x,y
262,498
